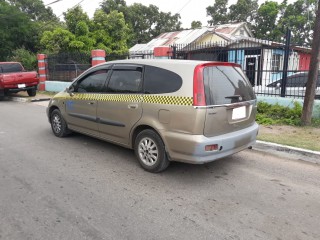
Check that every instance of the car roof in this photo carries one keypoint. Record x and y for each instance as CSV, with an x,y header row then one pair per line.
x,y
163,62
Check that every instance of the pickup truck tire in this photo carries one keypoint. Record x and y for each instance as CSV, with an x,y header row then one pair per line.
x,y
32,92
58,124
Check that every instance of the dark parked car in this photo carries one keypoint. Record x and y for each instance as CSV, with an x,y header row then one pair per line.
x,y
295,80
296,84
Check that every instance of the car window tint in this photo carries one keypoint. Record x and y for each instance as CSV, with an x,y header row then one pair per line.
x,y
10,68
299,80
125,80
158,80
93,82
225,85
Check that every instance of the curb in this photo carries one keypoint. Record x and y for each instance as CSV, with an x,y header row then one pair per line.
x,y
288,151
21,99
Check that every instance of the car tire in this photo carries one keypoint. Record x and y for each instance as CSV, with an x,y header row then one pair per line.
x,y
58,124
32,92
150,151
2,94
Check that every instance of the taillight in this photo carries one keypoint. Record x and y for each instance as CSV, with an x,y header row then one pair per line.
x,y
199,98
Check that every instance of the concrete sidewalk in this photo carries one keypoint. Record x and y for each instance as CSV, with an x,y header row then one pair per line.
x,y
266,147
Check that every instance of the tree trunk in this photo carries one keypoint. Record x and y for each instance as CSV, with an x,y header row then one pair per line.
x,y
313,73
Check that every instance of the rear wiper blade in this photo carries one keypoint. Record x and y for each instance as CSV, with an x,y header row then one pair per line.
x,y
233,96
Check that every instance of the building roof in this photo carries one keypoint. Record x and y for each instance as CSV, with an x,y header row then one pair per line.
x,y
185,37
233,40
231,28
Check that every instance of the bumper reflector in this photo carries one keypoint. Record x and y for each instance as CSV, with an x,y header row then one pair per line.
x,y
213,147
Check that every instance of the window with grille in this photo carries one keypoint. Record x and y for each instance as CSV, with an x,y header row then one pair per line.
x,y
275,63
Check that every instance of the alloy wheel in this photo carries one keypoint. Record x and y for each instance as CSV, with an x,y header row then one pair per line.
x,y
148,151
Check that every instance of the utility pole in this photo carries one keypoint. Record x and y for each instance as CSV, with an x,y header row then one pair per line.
x,y
313,73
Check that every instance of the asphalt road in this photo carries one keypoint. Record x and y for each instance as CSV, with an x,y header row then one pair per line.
x,y
82,188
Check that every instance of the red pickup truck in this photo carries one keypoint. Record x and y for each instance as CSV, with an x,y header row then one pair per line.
x,y
13,78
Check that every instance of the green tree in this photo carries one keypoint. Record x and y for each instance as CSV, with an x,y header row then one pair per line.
x,y
59,40
29,18
266,21
16,30
110,31
166,22
75,15
196,24
35,9
84,40
145,22
218,12
243,11
111,5
299,17
81,29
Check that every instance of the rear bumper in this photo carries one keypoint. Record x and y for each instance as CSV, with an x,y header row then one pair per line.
x,y
15,90
191,148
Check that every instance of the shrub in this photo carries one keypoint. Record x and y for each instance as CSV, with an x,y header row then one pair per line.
x,y
277,114
27,58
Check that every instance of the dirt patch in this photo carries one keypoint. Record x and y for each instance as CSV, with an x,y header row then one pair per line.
x,y
39,95
302,137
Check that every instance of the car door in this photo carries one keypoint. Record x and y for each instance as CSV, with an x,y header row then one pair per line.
x,y
120,107
81,107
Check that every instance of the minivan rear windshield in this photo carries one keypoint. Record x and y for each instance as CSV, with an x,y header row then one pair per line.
x,y
225,85
10,68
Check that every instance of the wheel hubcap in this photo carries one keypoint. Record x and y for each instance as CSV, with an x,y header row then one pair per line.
x,y
56,123
148,151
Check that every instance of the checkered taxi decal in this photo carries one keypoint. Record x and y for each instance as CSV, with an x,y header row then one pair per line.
x,y
170,100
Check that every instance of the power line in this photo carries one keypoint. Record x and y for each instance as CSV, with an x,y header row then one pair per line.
x,y
184,6
52,2
74,6
21,12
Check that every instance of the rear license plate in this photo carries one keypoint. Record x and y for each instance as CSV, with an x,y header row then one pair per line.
x,y
238,113
21,85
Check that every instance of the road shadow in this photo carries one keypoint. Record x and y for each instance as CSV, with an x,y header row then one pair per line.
x,y
177,171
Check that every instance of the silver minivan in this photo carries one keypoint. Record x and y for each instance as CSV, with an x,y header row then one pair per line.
x,y
166,110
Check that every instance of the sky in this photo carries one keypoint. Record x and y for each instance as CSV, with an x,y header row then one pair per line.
x,y
189,10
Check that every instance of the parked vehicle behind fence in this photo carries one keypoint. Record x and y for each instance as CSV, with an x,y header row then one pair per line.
x,y
166,110
13,78
295,85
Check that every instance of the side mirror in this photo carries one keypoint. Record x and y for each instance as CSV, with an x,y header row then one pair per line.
x,y
70,91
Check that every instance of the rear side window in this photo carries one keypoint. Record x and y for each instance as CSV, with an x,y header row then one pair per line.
x,y
225,85
10,68
158,80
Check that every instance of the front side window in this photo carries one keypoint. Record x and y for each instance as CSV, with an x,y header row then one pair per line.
x,y
125,80
93,82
